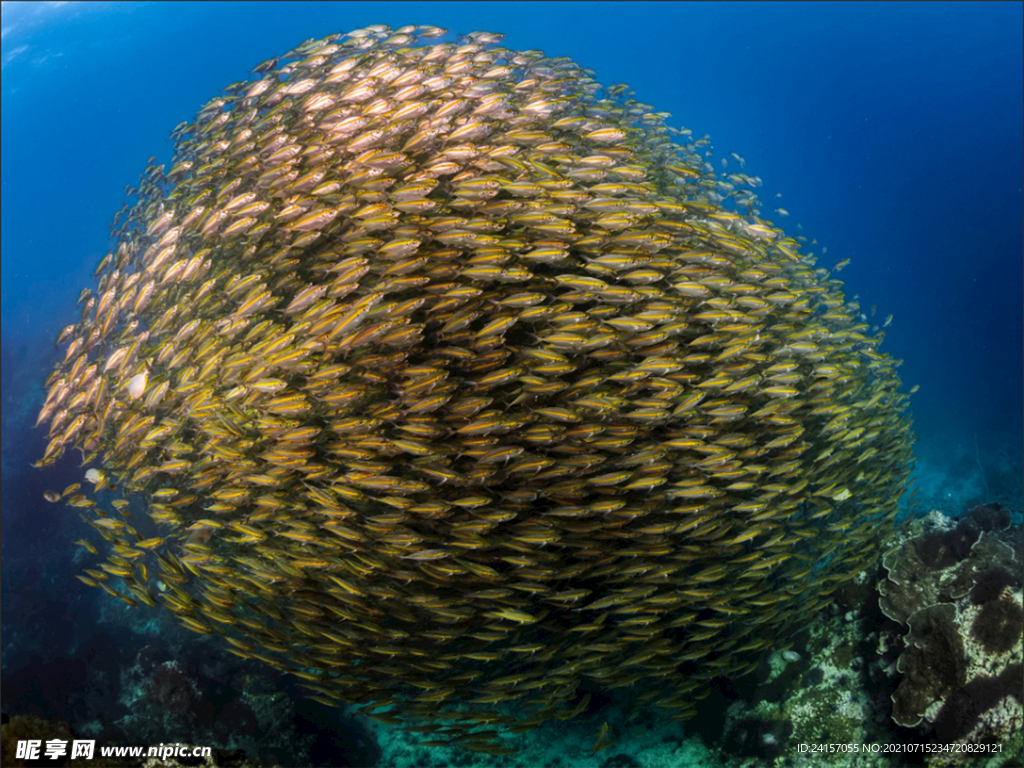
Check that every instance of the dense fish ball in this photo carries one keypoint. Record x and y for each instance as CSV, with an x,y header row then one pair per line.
x,y
452,378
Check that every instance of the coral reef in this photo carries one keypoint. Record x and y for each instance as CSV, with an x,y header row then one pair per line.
x,y
933,666
817,695
997,625
23,728
60,735
956,588
929,659
198,693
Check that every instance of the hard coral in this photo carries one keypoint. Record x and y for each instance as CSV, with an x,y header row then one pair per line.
x,y
998,626
933,664
961,713
991,517
174,692
23,728
945,548
914,582
962,603
990,584
760,738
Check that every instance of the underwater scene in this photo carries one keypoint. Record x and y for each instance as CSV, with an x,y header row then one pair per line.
x,y
413,385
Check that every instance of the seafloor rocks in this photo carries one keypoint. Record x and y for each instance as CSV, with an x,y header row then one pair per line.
x,y
933,665
21,728
932,659
956,587
944,562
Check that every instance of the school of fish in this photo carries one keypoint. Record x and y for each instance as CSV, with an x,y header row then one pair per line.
x,y
449,379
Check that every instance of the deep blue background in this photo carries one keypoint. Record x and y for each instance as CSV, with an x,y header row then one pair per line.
x,y
892,131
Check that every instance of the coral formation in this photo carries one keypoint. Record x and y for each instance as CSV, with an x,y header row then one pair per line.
x,y
932,666
998,625
924,677
812,697
956,587
984,705
943,564
23,728
991,582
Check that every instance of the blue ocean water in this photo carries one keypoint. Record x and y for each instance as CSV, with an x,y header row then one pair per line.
x,y
891,133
